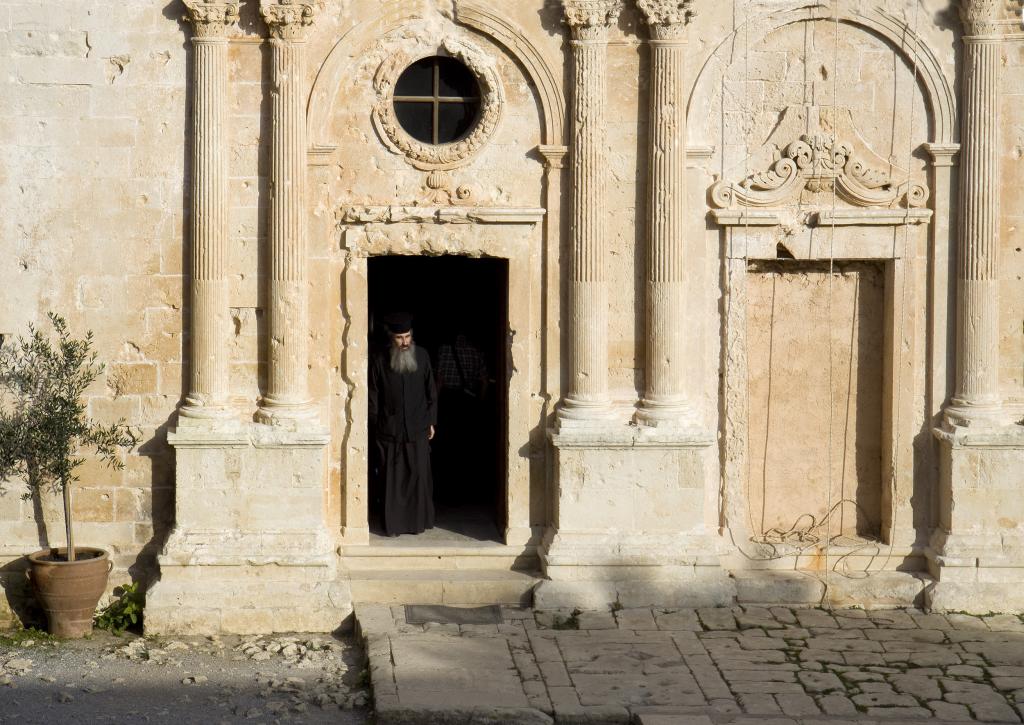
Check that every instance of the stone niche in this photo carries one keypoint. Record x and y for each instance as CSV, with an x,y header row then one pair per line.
x,y
830,138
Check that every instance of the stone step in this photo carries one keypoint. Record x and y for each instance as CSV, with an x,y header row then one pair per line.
x,y
490,556
469,587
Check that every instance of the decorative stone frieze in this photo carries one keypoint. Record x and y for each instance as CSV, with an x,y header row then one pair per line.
x,y
208,378
287,395
664,374
819,163
589,21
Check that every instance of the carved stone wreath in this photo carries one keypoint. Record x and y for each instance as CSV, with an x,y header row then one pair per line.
x,y
442,156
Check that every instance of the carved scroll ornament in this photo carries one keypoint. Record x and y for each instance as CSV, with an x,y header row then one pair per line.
x,y
818,163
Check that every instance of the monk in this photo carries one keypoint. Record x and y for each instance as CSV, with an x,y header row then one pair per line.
x,y
403,413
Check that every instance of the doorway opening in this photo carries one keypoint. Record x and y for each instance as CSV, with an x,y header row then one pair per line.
x,y
460,318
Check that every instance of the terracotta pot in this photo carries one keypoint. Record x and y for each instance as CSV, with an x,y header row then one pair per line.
x,y
69,590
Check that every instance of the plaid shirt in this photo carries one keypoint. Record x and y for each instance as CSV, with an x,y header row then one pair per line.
x,y
473,366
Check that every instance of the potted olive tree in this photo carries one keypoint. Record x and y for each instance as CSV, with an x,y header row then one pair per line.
x,y
44,430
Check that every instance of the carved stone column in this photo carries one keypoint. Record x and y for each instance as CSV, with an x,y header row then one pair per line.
x,y
208,370
287,395
664,375
588,398
976,398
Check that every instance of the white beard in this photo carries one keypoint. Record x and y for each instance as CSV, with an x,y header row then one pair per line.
x,y
404,361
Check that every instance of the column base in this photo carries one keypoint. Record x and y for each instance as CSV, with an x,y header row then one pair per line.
x,y
196,410
585,414
250,551
977,554
285,413
960,414
665,414
629,521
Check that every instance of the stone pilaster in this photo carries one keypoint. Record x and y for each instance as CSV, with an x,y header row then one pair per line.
x,y
208,377
589,21
976,399
287,397
976,554
664,399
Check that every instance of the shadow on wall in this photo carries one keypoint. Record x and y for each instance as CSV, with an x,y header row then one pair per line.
x,y
143,570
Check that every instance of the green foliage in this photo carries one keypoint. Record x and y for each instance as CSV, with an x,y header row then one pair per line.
x,y
570,622
43,423
26,638
124,612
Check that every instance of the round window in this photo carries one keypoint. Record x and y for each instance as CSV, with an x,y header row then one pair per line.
x,y
437,100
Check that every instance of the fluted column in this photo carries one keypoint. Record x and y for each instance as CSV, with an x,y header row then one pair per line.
x,y
589,21
208,369
287,396
664,375
977,399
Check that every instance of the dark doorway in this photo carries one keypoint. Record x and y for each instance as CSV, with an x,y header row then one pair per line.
x,y
460,317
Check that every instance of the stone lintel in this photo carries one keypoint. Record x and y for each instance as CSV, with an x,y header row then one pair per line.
x,y
396,214
823,217
870,217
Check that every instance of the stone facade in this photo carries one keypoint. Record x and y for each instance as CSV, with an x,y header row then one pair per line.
x,y
764,292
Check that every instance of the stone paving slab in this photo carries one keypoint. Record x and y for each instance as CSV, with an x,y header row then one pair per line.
x,y
735,666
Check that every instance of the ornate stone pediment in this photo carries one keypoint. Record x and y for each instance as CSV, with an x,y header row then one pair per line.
x,y
822,161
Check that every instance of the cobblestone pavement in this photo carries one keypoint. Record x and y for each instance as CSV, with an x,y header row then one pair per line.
x,y
771,666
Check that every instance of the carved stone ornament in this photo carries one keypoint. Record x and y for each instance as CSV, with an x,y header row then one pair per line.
x,y
590,19
820,162
287,20
666,17
980,17
440,156
211,19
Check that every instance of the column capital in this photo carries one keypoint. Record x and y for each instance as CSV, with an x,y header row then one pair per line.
x,y
591,19
554,155
286,19
980,17
211,19
667,18
942,154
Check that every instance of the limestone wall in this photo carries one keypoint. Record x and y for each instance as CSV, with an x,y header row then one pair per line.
x,y
95,173
92,152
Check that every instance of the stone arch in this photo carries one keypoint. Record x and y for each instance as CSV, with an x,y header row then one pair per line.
x,y
938,92
475,16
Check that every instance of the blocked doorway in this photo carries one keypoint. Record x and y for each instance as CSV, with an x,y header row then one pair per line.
x,y
816,367
460,310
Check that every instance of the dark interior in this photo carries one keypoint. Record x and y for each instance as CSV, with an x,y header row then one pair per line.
x,y
447,296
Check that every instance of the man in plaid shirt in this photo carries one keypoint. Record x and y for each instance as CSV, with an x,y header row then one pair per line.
x,y
462,384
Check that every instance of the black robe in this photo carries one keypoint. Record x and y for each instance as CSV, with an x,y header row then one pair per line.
x,y
402,407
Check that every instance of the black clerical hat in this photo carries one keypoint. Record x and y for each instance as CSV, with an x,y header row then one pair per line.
x,y
398,323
